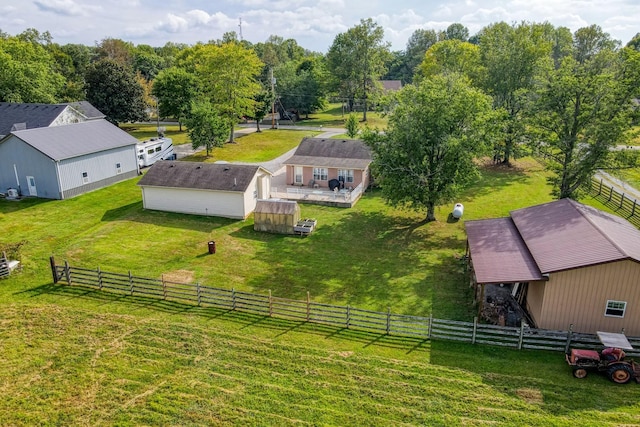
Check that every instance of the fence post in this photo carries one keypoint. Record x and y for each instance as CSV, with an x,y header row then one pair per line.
x,y
308,306
52,263
233,298
270,304
600,189
99,278
621,200
521,336
348,316
610,194
67,273
475,329
198,292
430,323
164,288
569,336
633,208
388,320
131,282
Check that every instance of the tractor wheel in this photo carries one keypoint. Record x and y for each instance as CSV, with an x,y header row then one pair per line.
x,y
620,373
580,373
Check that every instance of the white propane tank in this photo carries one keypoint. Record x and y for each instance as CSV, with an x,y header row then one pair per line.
x,y
458,209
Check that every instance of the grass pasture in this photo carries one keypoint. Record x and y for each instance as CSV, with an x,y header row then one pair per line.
x,y
74,356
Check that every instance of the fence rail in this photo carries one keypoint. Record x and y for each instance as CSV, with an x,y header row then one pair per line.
x,y
4,265
328,314
621,202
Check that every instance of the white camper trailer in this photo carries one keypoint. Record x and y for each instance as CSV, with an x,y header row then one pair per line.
x,y
154,149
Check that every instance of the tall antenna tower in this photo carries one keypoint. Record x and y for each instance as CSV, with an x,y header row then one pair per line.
x,y
240,26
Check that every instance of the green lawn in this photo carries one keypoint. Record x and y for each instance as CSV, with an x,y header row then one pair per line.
x,y
335,116
147,131
74,356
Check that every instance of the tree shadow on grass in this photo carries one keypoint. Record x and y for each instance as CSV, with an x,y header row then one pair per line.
x,y
367,260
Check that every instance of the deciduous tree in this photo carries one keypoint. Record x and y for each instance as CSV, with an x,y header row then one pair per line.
x,y
175,89
206,126
113,89
357,59
435,130
583,108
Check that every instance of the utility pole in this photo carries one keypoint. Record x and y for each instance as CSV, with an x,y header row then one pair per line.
x,y
273,99
240,26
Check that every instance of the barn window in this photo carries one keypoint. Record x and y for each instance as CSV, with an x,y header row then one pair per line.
x,y
118,168
320,174
85,177
615,308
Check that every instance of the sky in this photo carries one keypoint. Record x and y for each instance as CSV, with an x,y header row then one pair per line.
x,y
314,24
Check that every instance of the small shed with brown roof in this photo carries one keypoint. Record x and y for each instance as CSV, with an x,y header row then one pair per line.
x,y
225,190
573,265
276,216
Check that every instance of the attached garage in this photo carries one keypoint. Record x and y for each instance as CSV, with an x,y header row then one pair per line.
x,y
224,190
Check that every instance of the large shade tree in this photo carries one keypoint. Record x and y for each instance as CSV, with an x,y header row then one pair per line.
x,y
583,108
357,59
175,89
28,71
113,89
206,126
427,153
228,75
513,55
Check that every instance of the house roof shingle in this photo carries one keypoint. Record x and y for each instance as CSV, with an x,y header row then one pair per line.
x,y
202,176
555,236
77,139
334,153
32,115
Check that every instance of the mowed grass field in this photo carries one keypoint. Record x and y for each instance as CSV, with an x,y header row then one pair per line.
x,y
74,356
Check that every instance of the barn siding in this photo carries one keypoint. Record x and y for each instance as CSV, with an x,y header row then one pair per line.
x,y
29,162
100,167
194,201
535,299
579,297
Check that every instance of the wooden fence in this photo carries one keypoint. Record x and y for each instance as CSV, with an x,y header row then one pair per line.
x,y
328,314
622,203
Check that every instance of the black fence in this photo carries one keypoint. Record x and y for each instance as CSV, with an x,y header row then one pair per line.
x,y
339,316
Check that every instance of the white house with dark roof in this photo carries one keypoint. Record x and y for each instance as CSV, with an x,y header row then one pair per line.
x,y
572,264
63,161
212,189
21,116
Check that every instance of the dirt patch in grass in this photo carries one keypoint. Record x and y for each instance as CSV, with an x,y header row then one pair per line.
x,y
179,276
530,395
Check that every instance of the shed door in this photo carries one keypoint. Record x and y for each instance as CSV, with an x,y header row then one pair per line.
x,y
31,183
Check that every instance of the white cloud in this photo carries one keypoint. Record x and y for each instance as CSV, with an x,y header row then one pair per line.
x,y
66,7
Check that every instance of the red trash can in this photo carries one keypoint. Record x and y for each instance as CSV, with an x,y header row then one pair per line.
x,y
212,247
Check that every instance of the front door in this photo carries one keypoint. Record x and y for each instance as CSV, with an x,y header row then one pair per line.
x,y
31,183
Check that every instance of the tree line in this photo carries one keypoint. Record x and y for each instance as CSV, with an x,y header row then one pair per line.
x,y
507,91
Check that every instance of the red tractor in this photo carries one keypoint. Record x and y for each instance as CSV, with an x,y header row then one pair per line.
x,y
611,360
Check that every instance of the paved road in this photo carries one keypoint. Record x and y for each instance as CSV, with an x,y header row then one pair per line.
x,y
274,166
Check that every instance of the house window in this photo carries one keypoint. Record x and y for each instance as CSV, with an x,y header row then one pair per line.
x,y
615,308
320,174
346,175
